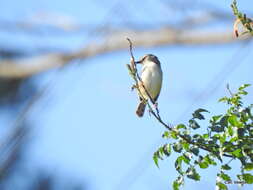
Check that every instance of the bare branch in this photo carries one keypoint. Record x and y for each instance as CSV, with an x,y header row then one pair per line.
x,y
33,65
30,66
132,61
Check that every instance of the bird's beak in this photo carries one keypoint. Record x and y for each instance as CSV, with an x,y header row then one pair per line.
x,y
138,62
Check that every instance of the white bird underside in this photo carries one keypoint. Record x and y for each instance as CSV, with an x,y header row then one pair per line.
x,y
151,76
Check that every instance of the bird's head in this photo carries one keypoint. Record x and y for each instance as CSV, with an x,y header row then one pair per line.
x,y
148,58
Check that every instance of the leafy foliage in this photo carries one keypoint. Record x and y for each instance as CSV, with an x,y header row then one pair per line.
x,y
246,22
228,137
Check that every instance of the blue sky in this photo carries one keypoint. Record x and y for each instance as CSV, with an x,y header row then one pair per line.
x,y
86,125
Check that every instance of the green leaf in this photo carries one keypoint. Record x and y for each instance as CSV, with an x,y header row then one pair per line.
x,y
237,153
194,150
244,86
234,139
217,128
216,118
180,180
155,158
160,153
201,140
240,177
221,186
225,177
203,165
185,145
176,185
178,164
166,135
167,149
205,162
200,110
193,124
209,160
200,159
177,147
225,167
244,116
248,166
181,126
248,178
233,121
187,137
196,136
224,99
224,121
173,134
197,114
192,174
230,131
222,138
243,92
186,158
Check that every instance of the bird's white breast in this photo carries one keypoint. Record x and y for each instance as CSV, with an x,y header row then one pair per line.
x,y
152,78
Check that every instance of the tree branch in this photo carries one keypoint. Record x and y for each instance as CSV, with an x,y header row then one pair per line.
x,y
22,68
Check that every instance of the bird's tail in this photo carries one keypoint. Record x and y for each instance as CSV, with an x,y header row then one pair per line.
x,y
140,109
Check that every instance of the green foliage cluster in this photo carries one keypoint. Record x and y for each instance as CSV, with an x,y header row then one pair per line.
x,y
246,22
227,138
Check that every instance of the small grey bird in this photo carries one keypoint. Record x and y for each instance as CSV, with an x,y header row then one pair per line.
x,y
151,77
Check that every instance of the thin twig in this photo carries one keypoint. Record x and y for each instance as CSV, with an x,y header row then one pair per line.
x,y
230,92
132,61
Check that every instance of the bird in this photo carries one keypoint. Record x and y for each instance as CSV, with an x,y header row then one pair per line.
x,y
151,78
